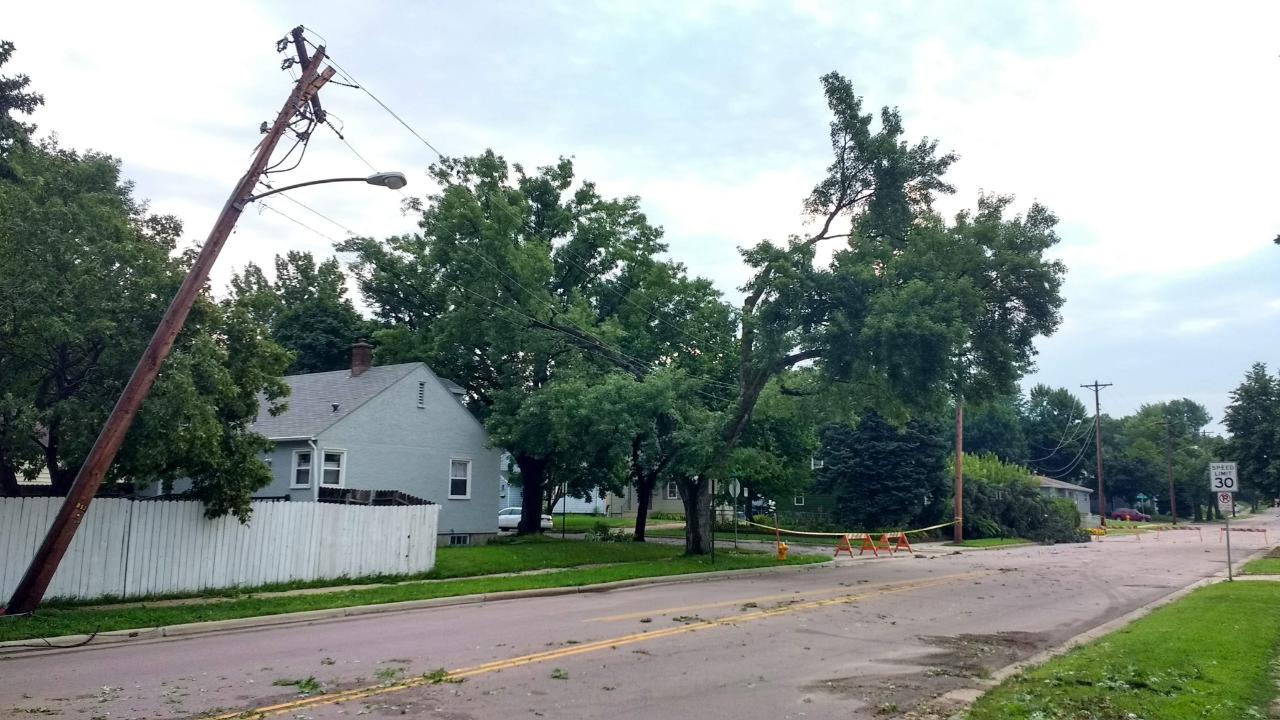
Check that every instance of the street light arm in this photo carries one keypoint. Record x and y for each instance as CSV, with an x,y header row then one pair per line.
x,y
295,186
391,180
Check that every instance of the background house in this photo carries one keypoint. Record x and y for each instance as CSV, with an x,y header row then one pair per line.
x,y
1069,491
392,427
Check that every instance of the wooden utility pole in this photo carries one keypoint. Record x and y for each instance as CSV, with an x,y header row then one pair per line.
x,y
958,533
1097,440
30,591
1168,456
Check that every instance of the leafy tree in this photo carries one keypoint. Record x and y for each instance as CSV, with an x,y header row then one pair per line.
x,y
1004,500
306,308
1253,418
86,275
520,281
910,309
882,476
1058,428
14,98
995,427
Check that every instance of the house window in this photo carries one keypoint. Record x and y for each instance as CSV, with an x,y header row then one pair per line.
x,y
422,394
301,468
456,540
798,500
815,463
672,492
335,468
460,479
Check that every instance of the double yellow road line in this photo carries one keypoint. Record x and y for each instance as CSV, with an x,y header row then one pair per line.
x,y
608,644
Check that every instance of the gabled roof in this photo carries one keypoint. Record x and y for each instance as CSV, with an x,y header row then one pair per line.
x,y
1050,482
312,398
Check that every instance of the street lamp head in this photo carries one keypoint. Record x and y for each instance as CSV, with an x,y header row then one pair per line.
x,y
393,180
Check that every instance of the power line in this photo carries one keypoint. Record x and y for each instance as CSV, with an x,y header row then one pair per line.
x,y
351,78
294,220
356,83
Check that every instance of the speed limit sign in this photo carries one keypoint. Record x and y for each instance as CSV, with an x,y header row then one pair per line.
x,y
1222,477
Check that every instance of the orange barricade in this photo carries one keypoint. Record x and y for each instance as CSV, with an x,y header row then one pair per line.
x,y
1222,530
899,542
1166,528
868,543
844,545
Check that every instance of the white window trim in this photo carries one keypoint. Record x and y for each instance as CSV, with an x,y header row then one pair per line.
x,y
673,491
449,477
798,500
293,472
342,467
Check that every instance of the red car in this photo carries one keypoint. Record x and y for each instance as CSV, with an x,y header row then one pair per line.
x,y
1129,514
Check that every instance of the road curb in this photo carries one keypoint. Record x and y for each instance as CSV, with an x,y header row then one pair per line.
x,y
967,696
13,649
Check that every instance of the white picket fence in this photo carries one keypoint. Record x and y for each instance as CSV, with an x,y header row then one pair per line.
x,y
128,548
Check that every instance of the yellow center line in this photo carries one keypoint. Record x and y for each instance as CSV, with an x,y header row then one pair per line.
x,y
611,643
726,603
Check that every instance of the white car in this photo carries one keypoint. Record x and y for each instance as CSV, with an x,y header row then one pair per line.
x,y
509,519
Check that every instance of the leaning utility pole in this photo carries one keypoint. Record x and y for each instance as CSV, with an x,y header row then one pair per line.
x,y
958,533
1097,439
26,597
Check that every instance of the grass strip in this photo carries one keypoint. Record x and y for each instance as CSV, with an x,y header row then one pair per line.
x,y
582,523
1207,656
53,622
1263,566
750,536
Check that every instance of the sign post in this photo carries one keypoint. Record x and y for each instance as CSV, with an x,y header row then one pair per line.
x,y
735,489
1223,481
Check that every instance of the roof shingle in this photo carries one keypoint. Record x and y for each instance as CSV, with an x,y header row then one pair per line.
x,y
313,396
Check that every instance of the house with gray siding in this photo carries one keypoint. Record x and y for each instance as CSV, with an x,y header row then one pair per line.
x,y
1069,491
391,427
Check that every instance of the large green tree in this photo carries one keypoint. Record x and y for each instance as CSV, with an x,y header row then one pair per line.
x,y
306,308
85,275
883,477
909,309
520,281
1059,430
1253,419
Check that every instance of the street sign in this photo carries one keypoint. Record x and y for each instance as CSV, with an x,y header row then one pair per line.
x,y
1224,502
735,489
1222,477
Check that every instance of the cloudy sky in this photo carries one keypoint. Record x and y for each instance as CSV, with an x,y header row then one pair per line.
x,y
1150,128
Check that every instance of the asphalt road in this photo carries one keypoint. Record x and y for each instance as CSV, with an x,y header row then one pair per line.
x,y
868,638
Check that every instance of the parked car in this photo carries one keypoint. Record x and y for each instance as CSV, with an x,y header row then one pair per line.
x,y
509,519
1129,514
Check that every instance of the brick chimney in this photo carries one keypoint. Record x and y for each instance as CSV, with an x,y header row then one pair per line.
x,y
361,357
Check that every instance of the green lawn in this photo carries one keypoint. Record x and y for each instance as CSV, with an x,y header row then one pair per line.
x,y
1207,656
577,523
756,535
1263,566
992,542
645,561
539,555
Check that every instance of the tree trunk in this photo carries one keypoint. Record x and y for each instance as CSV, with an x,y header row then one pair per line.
x,y
9,482
533,473
644,495
554,494
695,493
